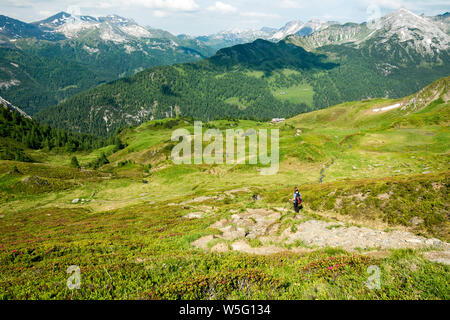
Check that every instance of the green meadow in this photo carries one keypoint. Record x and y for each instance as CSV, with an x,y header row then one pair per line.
x,y
124,224
297,94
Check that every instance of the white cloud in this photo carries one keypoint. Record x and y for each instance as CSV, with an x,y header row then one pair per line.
x,y
159,14
388,4
45,13
222,7
201,16
176,5
105,5
74,10
17,3
172,5
260,14
291,4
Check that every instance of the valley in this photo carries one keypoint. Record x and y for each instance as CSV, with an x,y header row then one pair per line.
x,y
265,79
155,166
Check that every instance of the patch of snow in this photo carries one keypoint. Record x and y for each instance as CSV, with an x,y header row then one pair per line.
x,y
74,26
395,106
129,49
108,34
297,26
90,50
136,31
10,83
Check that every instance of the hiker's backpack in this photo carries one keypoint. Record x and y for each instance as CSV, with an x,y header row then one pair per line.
x,y
298,198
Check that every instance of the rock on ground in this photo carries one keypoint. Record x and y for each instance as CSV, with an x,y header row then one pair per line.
x,y
264,224
438,256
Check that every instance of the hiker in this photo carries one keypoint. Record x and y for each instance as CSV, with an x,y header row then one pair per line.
x,y
297,200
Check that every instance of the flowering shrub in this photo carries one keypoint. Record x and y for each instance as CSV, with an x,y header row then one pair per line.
x,y
333,266
216,286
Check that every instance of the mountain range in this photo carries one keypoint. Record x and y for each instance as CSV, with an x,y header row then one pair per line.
x,y
298,28
265,79
422,34
232,37
48,62
45,62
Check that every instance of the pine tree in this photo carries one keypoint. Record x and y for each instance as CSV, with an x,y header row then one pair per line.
x,y
74,162
101,161
118,144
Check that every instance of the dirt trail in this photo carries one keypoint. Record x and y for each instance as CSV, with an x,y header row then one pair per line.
x,y
267,226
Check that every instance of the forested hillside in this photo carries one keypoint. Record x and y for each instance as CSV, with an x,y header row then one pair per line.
x,y
44,63
365,73
236,83
259,80
34,81
18,133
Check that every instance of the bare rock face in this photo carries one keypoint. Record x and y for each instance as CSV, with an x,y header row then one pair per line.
x,y
438,256
415,221
8,105
429,94
194,215
265,225
202,243
252,224
324,234
220,247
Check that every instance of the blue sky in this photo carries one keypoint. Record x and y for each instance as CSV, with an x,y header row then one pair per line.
x,y
199,17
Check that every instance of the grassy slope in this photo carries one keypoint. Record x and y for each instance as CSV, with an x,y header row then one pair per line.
x,y
129,241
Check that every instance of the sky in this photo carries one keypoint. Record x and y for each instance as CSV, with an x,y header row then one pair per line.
x,y
202,17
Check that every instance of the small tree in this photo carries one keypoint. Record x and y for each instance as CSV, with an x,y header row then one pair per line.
x,y
101,161
118,144
74,162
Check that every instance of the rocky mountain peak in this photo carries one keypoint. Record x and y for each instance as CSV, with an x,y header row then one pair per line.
x,y
407,26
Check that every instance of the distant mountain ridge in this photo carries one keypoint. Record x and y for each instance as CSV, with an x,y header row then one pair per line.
x,y
325,32
421,33
370,59
443,21
302,29
251,80
232,37
15,29
8,105
267,56
45,62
